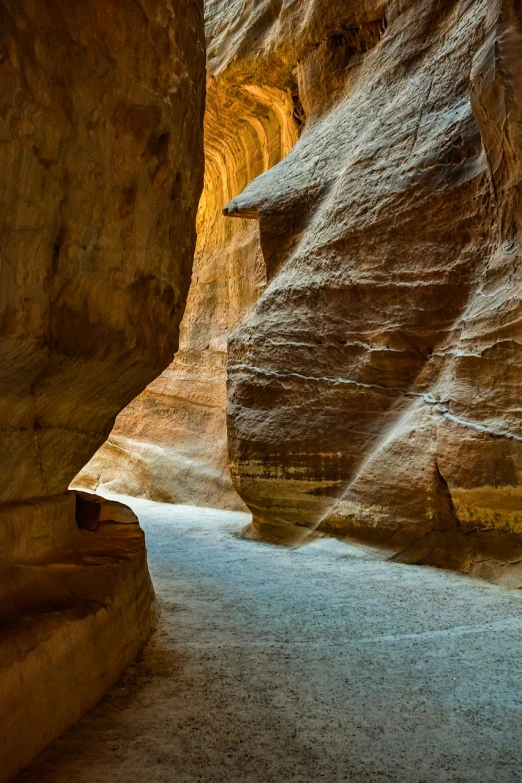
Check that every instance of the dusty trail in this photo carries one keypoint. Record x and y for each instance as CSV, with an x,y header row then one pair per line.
x,y
325,663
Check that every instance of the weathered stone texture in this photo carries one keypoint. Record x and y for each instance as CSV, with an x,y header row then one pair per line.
x,y
74,612
170,443
374,388
101,151
101,170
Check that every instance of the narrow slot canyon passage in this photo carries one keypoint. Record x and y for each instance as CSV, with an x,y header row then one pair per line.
x,y
260,383
322,663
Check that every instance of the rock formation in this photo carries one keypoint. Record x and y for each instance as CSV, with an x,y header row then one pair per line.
x,y
359,246
374,388
101,146
170,443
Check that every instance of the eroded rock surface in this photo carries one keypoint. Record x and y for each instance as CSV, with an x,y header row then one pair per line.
x,y
374,388
101,172
170,443
73,615
101,108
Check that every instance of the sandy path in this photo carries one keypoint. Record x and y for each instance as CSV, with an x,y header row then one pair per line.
x,y
326,663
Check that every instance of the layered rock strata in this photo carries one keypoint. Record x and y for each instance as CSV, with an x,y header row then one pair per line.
x,y
170,443
101,145
75,609
374,387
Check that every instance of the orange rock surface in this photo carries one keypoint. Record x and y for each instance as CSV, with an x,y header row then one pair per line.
x,y
101,108
170,443
373,388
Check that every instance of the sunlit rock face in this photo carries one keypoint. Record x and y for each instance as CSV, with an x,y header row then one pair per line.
x,y
170,443
101,146
374,389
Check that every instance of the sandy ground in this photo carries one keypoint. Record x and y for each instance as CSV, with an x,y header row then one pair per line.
x,y
325,663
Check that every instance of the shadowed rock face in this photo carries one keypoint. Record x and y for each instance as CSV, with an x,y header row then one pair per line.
x,y
101,173
101,150
373,390
171,442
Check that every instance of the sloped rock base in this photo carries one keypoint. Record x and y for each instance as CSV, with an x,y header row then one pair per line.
x,y
72,618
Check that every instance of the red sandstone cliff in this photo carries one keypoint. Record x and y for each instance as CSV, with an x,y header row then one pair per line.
x,y
170,443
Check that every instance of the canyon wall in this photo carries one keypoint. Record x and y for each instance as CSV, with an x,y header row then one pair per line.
x,y
101,108
374,388
170,443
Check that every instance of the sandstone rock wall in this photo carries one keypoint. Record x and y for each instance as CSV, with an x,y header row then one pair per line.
x,y
101,111
100,172
74,612
374,388
170,443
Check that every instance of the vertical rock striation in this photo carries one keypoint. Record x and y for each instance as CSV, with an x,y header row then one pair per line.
x,y
101,147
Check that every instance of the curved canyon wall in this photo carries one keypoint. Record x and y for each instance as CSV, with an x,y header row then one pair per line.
x,y
374,388
170,443
101,109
